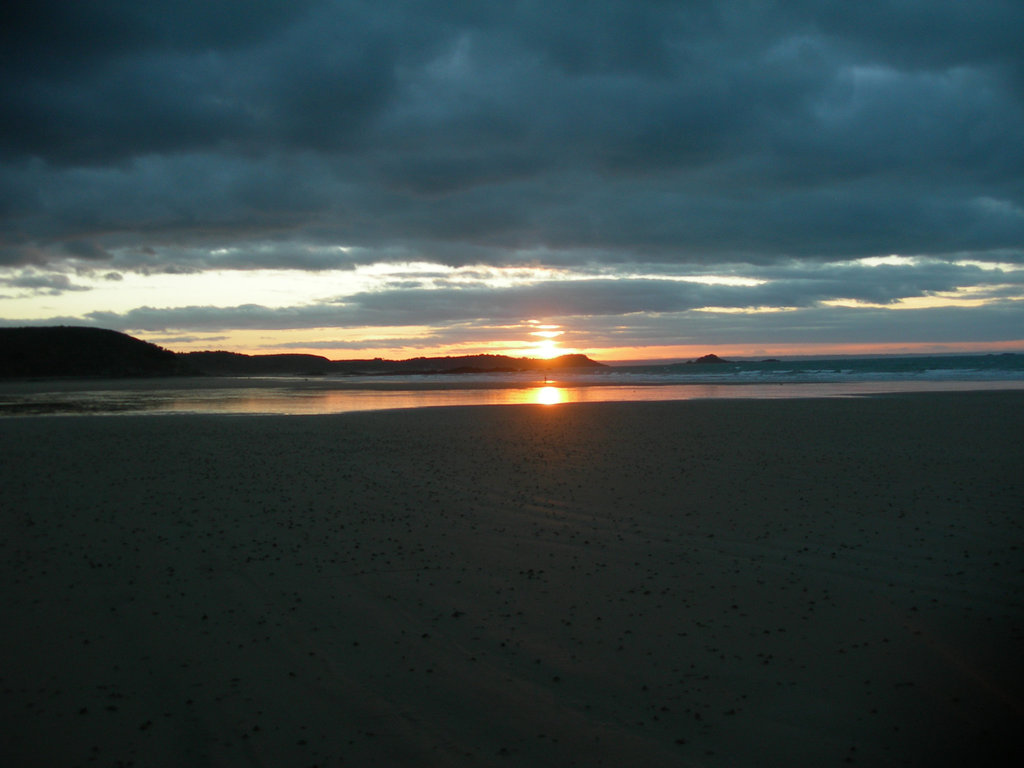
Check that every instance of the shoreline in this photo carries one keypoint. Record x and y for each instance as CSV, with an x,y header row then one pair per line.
x,y
287,396
743,582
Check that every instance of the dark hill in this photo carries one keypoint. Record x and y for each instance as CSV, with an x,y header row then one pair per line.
x,y
235,364
463,364
77,351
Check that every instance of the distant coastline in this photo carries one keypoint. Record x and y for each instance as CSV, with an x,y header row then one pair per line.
x,y
74,353
77,351
89,371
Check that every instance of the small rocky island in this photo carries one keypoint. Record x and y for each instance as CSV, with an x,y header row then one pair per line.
x,y
708,359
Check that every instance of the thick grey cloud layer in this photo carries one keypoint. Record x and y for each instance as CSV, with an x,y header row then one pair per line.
x,y
686,131
243,134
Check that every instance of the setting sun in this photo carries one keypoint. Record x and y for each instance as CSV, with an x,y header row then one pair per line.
x,y
546,349
547,345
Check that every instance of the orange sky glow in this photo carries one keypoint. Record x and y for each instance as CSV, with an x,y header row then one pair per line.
x,y
548,348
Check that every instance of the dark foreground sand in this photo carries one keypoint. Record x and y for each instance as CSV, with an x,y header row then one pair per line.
x,y
748,583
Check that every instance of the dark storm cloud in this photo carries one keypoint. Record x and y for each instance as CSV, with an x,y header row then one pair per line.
x,y
681,133
98,80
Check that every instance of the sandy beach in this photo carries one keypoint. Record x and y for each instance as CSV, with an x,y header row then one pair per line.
x,y
704,583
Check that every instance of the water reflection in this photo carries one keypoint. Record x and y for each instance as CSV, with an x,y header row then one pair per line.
x,y
313,400
549,395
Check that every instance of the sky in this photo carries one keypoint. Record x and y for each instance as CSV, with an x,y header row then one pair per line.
x,y
631,180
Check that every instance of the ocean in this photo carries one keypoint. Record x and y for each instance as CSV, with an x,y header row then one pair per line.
x,y
964,368
286,395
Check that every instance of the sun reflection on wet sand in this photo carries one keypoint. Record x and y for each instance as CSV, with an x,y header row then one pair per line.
x,y
549,395
310,402
305,400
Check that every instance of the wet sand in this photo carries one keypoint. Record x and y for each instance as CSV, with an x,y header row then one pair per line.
x,y
734,583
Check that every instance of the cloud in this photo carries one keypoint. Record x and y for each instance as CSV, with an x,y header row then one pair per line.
x,y
44,283
470,297
811,325
761,138
651,129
